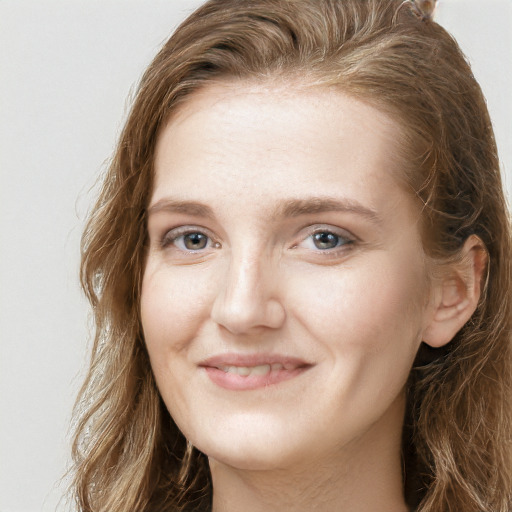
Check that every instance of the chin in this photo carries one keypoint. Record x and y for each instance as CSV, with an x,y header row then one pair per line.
x,y
264,448
247,461
252,458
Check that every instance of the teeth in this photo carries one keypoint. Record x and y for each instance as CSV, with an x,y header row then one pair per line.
x,y
246,371
261,370
230,369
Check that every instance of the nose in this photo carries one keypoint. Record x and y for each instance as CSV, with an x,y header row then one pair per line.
x,y
247,301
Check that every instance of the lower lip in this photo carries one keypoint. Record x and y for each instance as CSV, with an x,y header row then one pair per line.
x,y
236,382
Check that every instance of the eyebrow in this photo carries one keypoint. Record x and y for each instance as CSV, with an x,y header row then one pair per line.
x,y
297,207
289,208
186,207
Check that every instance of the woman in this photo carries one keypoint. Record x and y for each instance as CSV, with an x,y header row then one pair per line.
x,y
299,268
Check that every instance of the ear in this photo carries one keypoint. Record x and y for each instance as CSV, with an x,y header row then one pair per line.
x,y
455,296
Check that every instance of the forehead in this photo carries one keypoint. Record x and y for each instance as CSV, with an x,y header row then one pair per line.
x,y
293,108
269,140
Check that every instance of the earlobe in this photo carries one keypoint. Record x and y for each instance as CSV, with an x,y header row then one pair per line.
x,y
455,296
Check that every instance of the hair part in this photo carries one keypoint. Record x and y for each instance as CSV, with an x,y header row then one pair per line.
x,y
129,455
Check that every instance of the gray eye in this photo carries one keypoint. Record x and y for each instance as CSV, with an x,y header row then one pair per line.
x,y
195,241
326,240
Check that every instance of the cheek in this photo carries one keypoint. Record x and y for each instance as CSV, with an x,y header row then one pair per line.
x,y
368,317
353,300
173,305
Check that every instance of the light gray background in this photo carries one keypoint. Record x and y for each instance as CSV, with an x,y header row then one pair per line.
x,y
66,69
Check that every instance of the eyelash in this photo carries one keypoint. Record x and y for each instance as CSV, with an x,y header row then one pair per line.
x,y
172,236
344,240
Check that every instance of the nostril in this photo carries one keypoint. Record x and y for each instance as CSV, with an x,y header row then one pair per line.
x,y
248,296
242,316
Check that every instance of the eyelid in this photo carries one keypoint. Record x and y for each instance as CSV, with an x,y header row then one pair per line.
x,y
343,234
320,228
171,235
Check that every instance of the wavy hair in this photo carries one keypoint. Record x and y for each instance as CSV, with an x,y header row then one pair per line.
x,y
128,453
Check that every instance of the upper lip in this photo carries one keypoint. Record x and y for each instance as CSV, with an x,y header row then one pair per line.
x,y
249,360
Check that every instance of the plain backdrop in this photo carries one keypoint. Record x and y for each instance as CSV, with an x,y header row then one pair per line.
x,y
67,68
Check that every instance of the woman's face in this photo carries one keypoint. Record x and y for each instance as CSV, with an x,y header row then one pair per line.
x,y
284,295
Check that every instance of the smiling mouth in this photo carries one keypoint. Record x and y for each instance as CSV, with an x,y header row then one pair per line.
x,y
240,373
249,371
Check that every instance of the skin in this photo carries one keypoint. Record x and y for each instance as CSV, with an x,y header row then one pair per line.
x,y
328,438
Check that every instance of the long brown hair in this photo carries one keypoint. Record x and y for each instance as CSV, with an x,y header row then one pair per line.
x,y
129,455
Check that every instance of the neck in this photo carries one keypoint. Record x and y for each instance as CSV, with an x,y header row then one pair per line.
x,y
365,476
